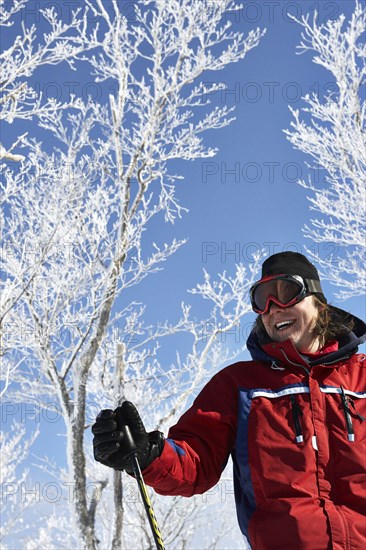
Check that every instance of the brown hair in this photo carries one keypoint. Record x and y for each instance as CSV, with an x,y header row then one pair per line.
x,y
330,324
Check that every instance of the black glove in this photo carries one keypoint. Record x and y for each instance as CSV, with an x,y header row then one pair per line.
x,y
111,446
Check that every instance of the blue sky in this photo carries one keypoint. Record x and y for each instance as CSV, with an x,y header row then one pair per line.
x,y
246,198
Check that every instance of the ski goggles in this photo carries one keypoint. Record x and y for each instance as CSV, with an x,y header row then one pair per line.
x,y
283,290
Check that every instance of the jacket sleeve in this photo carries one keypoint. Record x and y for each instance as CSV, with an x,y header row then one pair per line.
x,y
198,446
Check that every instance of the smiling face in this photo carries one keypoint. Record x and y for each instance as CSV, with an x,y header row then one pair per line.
x,y
295,323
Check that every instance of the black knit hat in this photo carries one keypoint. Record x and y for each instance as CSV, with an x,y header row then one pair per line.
x,y
293,263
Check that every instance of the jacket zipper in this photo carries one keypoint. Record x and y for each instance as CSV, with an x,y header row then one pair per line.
x,y
292,363
351,402
347,415
296,413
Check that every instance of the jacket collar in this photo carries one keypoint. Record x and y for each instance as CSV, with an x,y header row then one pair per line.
x,y
285,352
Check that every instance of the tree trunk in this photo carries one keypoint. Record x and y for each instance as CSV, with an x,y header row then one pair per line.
x,y
84,523
118,512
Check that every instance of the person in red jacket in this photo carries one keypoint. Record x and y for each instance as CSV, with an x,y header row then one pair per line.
x,y
292,419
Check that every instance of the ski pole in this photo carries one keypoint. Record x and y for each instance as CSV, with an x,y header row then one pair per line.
x,y
143,490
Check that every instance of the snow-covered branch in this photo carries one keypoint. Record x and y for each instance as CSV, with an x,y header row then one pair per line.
x,y
332,131
14,449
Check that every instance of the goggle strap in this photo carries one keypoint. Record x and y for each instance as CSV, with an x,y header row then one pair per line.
x,y
313,286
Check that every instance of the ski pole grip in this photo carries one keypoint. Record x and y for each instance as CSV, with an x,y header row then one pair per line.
x,y
129,443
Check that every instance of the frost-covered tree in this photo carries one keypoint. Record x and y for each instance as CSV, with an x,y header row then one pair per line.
x,y
78,203
332,131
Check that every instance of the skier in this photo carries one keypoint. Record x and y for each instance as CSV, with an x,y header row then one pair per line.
x,y
293,420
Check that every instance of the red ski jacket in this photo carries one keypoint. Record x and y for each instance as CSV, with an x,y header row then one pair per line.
x,y
296,430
